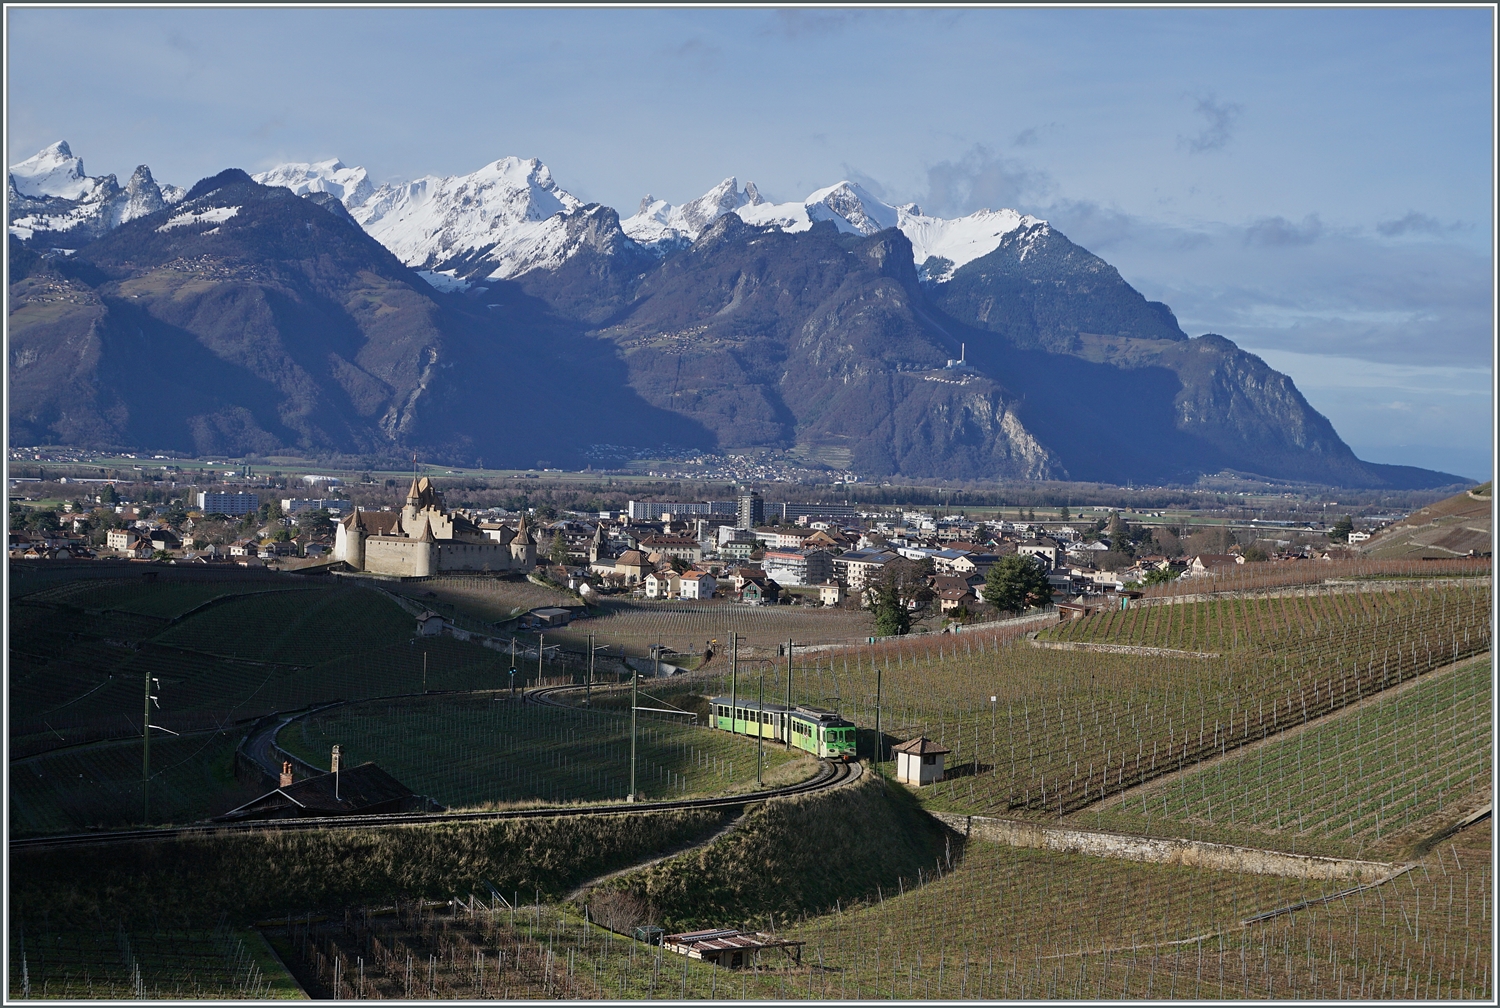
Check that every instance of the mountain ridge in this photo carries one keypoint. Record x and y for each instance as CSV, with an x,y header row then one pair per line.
x,y
822,328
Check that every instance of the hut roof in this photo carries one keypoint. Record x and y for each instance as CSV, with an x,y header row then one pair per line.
x,y
923,746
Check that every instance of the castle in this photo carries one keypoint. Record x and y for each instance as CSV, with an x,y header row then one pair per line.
x,y
424,538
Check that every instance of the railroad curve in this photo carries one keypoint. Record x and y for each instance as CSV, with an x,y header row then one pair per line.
x,y
830,774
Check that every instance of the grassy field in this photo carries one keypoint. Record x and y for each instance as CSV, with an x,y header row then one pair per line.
x,y
1349,785
492,750
99,785
687,626
479,602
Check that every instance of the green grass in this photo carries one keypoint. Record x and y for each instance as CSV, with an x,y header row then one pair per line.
x,y
99,785
491,749
1343,786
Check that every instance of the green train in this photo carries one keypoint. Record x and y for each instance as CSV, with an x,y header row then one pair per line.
x,y
812,729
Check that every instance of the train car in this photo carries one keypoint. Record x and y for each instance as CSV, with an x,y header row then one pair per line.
x,y
812,729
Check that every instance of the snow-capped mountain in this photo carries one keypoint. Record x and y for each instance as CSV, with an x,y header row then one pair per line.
x,y
659,224
350,186
53,200
939,245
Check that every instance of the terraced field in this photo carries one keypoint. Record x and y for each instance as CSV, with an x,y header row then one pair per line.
x,y
637,626
1351,784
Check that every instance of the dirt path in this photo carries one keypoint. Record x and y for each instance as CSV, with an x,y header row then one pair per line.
x,y
1075,817
733,824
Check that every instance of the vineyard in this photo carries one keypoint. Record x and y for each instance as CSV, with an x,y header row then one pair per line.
x,y
1346,785
1068,728
99,786
484,600
1001,924
159,964
493,750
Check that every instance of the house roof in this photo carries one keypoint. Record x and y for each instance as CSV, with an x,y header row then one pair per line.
x,y
358,787
922,746
630,558
374,522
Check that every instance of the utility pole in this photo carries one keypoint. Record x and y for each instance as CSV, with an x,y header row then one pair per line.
x,y
879,738
760,726
541,639
635,678
734,669
588,685
512,667
146,756
788,732
424,670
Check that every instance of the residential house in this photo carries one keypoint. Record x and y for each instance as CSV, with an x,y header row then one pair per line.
x,y
1210,564
685,548
696,584
860,567
662,584
765,592
831,594
954,598
782,539
165,539
1045,547
244,548
798,566
830,538
129,542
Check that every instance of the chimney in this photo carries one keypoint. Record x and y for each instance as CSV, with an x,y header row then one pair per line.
x,y
286,773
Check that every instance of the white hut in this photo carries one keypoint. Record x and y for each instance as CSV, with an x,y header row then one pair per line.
x,y
919,761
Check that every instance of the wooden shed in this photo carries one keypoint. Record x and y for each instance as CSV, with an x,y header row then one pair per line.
x,y
729,947
919,761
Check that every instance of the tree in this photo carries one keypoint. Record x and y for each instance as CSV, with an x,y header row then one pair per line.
x,y
1062,513
558,553
316,523
1341,529
281,533
1016,582
892,619
1160,575
1254,554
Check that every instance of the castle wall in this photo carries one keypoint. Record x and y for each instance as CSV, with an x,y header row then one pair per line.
x,y
472,556
398,556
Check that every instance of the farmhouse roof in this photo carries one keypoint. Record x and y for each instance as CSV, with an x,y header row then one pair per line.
x,y
358,787
922,746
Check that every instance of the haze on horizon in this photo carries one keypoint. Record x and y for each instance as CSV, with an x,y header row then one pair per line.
x,y
1313,184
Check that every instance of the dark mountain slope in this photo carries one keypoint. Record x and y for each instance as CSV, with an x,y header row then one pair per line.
x,y
246,319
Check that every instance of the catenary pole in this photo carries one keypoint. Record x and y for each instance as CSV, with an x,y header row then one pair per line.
x,y
146,756
635,678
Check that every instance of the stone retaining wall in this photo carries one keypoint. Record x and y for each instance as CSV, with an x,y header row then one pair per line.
x,y
1161,850
1134,649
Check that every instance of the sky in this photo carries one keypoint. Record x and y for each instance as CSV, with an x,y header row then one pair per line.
x,y
1314,184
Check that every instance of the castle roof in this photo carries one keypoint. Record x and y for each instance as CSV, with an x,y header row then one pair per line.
x,y
374,522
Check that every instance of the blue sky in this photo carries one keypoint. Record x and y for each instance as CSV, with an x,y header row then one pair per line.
x,y
1313,184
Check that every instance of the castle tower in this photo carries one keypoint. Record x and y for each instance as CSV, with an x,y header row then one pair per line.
x,y
523,547
349,542
597,547
425,564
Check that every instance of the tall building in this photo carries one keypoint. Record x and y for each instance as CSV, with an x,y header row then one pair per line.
x,y
228,503
752,510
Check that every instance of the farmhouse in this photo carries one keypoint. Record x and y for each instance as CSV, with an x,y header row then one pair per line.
x,y
360,789
424,538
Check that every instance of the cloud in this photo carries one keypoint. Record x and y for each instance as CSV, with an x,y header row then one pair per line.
x,y
705,54
1032,135
1219,119
795,24
980,180
1412,223
1278,231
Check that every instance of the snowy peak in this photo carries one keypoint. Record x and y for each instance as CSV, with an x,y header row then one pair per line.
x,y
350,186
53,200
432,220
52,171
659,223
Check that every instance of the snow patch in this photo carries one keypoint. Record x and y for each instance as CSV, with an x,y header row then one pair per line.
x,y
212,215
659,223
446,281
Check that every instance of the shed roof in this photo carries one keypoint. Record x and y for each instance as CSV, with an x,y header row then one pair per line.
x,y
923,746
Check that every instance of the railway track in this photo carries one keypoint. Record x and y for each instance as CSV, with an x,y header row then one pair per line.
x,y
830,774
